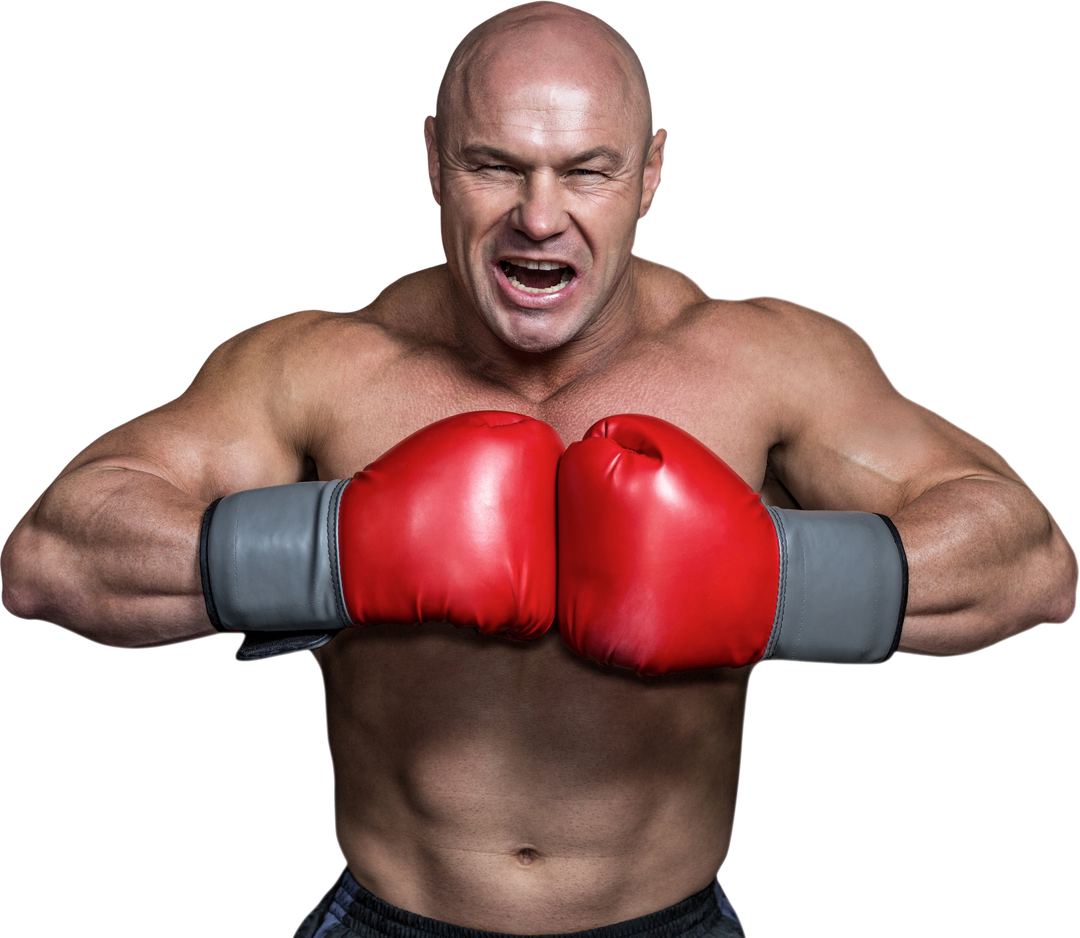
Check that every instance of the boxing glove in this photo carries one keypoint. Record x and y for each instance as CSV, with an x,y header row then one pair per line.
x,y
668,561
454,524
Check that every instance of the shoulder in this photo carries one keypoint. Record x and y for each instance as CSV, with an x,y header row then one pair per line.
x,y
813,333
404,309
777,335
770,319
312,346
296,341
798,368
759,333
814,357
250,415
297,368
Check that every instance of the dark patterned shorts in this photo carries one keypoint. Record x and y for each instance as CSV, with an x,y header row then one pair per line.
x,y
350,911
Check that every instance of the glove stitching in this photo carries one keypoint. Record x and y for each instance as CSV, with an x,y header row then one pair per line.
x,y
235,564
781,596
331,548
204,568
802,609
876,593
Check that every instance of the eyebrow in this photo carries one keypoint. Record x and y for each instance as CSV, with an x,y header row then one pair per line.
x,y
482,151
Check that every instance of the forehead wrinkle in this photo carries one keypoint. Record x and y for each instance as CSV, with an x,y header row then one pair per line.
x,y
478,150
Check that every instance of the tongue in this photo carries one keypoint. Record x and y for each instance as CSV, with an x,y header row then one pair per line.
x,y
538,279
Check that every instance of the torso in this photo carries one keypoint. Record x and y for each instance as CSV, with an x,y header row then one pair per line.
x,y
515,787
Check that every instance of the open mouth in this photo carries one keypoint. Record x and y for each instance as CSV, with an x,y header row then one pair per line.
x,y
537,276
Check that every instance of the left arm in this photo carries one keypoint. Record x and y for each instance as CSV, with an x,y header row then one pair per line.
x,y
985,559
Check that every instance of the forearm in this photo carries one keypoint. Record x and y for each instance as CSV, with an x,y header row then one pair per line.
x,y
110,553
985,562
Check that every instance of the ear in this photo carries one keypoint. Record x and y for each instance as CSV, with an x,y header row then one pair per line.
x,y
432,158
654,160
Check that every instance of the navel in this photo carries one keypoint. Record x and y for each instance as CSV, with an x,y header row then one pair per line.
x,y
526,855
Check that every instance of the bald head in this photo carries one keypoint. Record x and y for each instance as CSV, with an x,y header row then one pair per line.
x,y
543,43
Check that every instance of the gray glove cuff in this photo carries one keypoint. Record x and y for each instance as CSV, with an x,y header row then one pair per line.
x,y
843,587
268,559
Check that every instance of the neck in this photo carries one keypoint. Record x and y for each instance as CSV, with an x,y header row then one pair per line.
x,y
537,376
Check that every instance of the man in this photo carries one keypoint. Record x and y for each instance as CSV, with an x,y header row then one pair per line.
x,y
529,388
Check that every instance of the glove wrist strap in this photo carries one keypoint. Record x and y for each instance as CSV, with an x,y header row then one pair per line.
x,y
843,587
268,559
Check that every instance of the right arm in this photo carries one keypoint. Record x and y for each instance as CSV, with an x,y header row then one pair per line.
x,y
111,549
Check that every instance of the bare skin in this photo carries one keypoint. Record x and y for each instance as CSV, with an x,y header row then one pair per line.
x,y
506,786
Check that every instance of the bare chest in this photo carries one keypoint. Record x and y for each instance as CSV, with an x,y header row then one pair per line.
x,y
715,400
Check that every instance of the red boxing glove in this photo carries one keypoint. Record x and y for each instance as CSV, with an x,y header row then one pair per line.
x,y
456,524
669,561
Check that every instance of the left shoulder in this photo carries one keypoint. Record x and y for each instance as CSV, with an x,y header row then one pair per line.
x,y
807,335
807,369
796,361
849,439
799,350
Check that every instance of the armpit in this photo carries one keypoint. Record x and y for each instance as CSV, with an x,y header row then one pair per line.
x,y
773,491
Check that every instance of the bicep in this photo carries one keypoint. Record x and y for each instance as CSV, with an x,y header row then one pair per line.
x,y
852,442
215,439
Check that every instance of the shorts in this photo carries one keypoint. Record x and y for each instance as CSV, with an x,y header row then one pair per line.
x,y
349,911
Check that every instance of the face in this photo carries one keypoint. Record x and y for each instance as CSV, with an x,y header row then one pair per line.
x,y
541,180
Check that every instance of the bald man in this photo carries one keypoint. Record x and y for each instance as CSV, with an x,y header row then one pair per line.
x,y
485,785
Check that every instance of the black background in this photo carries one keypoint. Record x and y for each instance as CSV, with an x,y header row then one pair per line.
x,y
201,175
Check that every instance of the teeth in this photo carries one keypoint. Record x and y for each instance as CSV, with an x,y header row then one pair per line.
x,y
535,265
567,276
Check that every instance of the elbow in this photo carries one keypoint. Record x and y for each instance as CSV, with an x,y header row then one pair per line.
x,y
22,595
42,579
1049,580
27,599
20,601
1062,597
32,585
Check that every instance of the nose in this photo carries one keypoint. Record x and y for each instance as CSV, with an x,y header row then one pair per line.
x,y
541,211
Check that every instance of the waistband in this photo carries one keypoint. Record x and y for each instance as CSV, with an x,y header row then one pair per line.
x,y
366,915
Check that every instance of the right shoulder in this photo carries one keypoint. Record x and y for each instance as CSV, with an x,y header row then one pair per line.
x,y
291,346
287,375
247,418
406,313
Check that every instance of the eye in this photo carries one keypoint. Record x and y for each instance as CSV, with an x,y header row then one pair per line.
x,y
496,169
